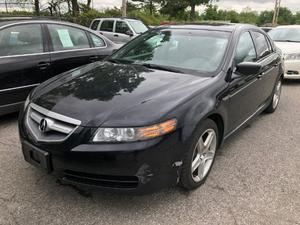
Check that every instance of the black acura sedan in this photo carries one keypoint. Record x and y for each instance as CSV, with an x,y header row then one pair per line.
x,y
32,51
155,112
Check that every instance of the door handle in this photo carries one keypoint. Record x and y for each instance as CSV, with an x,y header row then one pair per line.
x,y
259,76
101,33
43,65
116,35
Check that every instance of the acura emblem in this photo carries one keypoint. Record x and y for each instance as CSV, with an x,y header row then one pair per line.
x,y
43,125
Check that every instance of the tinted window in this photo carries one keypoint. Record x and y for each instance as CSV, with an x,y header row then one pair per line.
x,y
190,51
245,51
262,46
67,38
95,24
98,42
107,25
122,27
19,40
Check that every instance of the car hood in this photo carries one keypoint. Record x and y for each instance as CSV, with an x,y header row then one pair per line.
x,y
288,47
124,94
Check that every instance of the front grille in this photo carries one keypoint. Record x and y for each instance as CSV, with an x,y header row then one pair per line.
x,y
48,126
106,181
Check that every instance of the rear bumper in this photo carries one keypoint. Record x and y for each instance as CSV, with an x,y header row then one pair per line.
x,y
292,69
136,167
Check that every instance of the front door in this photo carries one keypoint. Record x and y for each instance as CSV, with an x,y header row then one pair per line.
x,y
122,32
244,91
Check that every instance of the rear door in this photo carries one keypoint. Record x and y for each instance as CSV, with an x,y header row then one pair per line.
x,y
101,47
24,60
269,61
107,29
70,48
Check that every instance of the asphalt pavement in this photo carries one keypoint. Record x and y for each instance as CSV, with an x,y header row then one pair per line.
x,y
255,180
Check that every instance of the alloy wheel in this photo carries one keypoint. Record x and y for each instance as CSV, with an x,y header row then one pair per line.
x,y
204,154
277,94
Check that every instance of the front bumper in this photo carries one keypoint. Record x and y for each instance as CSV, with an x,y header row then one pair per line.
x,y
140,167
292,69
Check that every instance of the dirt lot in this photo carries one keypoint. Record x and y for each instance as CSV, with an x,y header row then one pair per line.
x,y
255,180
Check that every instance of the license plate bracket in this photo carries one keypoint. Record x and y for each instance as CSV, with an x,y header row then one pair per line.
x,y
37,157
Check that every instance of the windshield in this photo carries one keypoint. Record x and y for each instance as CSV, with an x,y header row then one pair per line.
x,y
285,34
182,50
138,26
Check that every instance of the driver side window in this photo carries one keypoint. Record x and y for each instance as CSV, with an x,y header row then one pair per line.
x,y
245,51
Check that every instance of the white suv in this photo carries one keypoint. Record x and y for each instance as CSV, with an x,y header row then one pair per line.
x,y
118,30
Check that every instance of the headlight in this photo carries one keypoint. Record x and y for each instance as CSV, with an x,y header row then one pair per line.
x,y
294,56
134,134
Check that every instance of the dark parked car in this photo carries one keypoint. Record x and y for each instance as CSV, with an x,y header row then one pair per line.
x,y
32,51
155,112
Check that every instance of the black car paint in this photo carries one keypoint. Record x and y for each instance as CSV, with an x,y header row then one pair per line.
x,y
20,74
153,96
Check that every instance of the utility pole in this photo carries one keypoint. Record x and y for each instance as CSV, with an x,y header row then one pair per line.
x,y
276,12
124,8
6,6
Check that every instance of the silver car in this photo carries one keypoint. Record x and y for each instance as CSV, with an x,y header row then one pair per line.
x,y
119,30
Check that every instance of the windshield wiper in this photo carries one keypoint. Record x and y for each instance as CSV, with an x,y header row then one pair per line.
x,y
286,41
159,67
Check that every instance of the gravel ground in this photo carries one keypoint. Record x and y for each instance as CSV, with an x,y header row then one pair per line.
x,y
255,180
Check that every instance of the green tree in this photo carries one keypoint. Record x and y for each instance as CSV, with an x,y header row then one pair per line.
x,y
193,4
285,16
264,18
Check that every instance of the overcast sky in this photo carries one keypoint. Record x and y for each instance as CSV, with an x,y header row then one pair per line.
x,y
238,5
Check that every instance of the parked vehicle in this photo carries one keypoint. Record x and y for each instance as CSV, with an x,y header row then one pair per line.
x,y
32,51
155,112
119,30
287,38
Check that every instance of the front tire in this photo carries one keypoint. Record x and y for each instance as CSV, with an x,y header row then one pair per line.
x,y
200,155
275,98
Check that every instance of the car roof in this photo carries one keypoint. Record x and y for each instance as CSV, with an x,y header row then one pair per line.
x,y
31,21
229,27
115,18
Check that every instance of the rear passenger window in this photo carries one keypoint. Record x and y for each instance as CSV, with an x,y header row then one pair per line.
x,y
67,38
98,42
245,51
107,25
95,24
262,45
21,40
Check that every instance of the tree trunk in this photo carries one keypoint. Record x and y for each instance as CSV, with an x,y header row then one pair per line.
x,y
151,7
89,3
69,6
193,10
75,7
37,7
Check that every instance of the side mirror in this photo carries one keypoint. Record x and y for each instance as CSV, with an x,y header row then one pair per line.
x,y
129,33
248,68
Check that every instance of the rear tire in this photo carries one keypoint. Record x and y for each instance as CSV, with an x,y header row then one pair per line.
x,y
200,155
275,97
